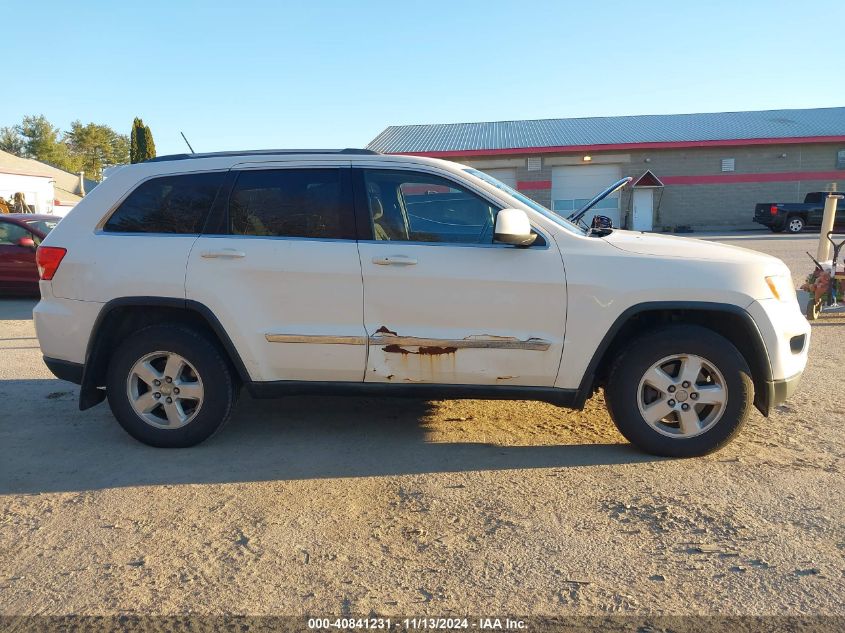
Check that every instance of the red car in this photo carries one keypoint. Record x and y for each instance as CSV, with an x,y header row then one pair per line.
x,y
20,235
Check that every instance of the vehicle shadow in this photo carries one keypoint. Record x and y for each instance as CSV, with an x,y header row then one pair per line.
x,y
48,445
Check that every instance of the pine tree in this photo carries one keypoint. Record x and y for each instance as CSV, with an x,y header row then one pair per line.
x,y
136,141
149,146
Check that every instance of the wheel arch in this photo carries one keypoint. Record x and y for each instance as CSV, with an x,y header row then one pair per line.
x,y
120,317
728,320
801,215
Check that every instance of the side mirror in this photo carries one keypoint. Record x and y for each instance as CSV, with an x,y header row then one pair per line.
x,y
512,227
601,222
26,242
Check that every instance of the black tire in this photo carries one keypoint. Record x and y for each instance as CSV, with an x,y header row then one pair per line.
x,y
219,389
795,224
631,365
776,229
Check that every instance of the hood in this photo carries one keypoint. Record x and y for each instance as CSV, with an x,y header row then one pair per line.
x,y
686,248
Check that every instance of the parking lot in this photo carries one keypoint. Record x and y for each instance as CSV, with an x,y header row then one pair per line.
x,y
330,506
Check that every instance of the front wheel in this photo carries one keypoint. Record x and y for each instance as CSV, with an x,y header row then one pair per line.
x,y
680,391
795,224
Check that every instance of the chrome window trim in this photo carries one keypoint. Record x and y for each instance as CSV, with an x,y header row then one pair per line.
x,y
395,243
141,234
277,237
413,167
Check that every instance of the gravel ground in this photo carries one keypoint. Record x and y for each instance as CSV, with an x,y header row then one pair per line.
x,y
334,506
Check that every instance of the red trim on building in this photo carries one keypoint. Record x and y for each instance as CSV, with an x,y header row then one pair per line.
x,y
786,176
629,146
714,179
533,185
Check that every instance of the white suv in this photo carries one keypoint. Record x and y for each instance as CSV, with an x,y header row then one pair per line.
x,y
179,280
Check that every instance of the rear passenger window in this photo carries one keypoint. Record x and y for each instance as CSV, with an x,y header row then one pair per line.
x,y
169,204
291,203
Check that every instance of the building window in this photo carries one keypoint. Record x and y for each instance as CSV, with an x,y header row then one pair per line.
x,y
728,164
840,159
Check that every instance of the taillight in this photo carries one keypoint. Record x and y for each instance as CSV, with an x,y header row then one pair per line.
x,y
773,209
48,259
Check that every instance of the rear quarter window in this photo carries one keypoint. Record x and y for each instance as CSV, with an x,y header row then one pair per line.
x,y
167,204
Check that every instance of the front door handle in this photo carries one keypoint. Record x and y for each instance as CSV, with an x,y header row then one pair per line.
x,y
394,260
225,253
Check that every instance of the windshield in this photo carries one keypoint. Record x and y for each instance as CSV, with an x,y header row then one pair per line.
x,y
539,208
45,226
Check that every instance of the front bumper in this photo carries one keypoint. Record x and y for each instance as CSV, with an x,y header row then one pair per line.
x,y
786,336
778,392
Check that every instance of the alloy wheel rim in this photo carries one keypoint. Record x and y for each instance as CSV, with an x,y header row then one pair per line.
x,y
682,396
165,390
795,225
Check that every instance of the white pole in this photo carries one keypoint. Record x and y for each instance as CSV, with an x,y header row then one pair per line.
x,y
823,253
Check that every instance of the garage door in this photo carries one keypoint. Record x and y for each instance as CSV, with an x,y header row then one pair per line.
x,y
573,186
507,176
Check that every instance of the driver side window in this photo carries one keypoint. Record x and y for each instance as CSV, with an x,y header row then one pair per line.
x,y
418,207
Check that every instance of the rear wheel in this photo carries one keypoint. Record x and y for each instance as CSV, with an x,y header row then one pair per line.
x,y
169,386
795,224
680,391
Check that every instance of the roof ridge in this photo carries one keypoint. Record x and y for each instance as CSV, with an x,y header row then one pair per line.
x,y
612,116
628,130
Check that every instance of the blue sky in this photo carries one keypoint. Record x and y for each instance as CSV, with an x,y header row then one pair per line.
x,y
236,75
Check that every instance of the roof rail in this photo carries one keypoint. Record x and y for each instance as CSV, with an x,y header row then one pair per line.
x,y
259,152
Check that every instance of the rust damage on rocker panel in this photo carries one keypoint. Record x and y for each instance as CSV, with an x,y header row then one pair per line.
x,y
422,351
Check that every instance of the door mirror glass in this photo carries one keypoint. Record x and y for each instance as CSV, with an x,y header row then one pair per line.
x,y
512,227
601,222
26,242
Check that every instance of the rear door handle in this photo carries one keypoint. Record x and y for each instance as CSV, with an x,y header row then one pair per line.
x,y
225,253
394,260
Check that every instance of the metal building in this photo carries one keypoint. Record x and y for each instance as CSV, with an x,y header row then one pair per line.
x,y
691,170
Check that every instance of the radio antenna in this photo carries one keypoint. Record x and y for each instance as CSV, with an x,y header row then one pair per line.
x,y
187,143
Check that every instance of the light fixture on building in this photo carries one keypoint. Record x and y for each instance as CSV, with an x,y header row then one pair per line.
x,y
647,160
783,155
587,159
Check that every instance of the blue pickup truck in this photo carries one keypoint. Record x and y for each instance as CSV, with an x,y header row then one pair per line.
x,y
794,217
